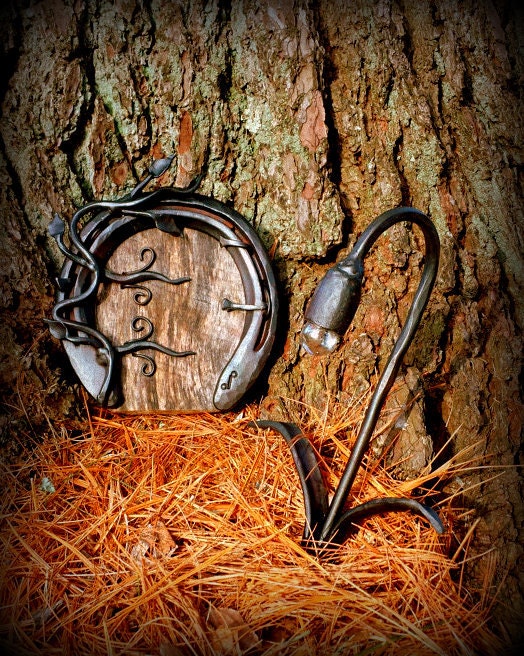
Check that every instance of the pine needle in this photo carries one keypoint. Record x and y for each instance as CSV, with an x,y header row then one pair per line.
x,y
180,535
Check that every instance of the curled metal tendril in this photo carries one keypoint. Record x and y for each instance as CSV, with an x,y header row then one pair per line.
x,y
149,367
131,278
142,296
148,326
146,251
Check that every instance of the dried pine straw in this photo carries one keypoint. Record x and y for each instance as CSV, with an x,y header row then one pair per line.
x,y
181,534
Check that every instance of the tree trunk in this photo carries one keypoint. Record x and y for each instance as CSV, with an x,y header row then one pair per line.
x,y
310,119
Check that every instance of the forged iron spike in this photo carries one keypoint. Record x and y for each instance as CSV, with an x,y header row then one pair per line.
x,y
229,306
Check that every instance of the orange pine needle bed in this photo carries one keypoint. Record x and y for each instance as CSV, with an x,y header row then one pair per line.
x,y
179,535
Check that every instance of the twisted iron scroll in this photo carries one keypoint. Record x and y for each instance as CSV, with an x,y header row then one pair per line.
x,y
78,332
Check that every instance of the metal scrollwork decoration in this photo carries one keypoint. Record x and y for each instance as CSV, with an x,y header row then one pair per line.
x,y
93,235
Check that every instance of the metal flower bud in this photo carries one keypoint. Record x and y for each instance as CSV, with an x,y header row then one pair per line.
x,y
317,340
332,307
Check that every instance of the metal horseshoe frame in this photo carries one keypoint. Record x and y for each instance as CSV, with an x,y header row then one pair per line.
x,y
98,228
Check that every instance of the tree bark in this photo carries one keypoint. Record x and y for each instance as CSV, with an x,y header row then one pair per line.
x,y
310,119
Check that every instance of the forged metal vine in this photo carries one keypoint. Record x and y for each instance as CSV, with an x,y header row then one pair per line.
x,y
328,316
81,333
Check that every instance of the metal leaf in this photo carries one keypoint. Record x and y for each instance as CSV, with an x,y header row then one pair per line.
x,y
160,166
56,227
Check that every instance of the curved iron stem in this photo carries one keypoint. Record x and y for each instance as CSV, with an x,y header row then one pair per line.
x,y
332,308
420,300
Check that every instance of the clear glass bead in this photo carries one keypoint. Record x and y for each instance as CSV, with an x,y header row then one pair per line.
x,y
317,340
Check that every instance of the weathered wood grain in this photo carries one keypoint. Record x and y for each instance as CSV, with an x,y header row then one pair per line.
x,y
185,317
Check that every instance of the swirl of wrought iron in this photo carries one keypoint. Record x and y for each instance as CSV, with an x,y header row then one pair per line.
x,y
74,331
139,324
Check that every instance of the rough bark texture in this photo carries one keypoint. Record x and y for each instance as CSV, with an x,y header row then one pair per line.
x,y
310,119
